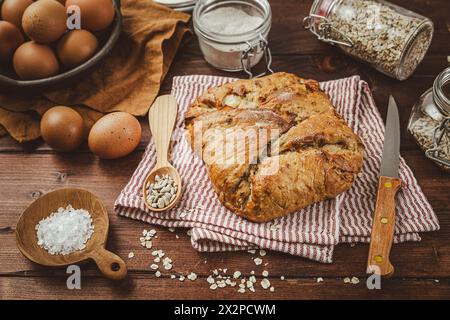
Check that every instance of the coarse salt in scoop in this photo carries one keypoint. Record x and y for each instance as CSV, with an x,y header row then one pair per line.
x,y
65,231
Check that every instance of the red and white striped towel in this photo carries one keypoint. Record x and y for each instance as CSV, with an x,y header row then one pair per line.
x,y
312,232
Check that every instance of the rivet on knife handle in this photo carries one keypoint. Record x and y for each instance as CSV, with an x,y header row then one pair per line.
x,y
383,227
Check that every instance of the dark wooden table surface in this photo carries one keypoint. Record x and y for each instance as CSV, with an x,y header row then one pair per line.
x,y
422,269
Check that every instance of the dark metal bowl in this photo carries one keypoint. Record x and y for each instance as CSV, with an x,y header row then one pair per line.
x,y
9,81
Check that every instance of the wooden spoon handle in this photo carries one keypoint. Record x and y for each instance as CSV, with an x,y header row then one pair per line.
x,y
162,117
383,227
110,264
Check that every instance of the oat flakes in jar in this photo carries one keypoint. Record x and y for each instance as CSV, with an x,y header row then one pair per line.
x,y
430,121
390,38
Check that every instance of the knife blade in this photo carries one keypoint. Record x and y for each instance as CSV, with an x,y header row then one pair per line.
x,y
389,184
390,161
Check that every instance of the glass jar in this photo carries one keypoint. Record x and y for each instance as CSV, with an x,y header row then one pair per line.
x,y
233,34
178,5
430,121
390,38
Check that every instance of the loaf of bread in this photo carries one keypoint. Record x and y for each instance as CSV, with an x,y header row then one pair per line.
x,y
273,145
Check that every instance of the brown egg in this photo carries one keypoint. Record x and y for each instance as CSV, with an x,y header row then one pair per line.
x,y
115,135
96,15
10,39
12,11
35,61
45,21
76,47
62,128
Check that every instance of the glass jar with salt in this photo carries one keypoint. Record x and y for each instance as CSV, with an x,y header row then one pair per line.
x,y
430,121
233,34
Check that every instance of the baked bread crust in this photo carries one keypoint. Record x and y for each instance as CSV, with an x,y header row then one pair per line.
x,y
310,153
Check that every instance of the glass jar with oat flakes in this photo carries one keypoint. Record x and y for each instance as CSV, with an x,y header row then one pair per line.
x,y
392,39
430,121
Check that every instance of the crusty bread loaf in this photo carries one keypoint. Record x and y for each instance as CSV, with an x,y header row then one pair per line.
x,y
302,152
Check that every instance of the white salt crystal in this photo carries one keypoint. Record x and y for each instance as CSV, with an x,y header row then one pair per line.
x,y
65,231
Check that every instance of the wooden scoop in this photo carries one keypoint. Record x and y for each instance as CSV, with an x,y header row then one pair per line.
x,y
111,265
162,117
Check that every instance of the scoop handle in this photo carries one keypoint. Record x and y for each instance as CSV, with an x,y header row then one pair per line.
x,y
110,264
162,116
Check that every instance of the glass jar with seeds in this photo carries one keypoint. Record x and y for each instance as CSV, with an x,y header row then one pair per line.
x,y
430,121
390,38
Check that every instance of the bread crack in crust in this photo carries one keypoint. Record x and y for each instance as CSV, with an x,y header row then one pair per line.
x,y
273,145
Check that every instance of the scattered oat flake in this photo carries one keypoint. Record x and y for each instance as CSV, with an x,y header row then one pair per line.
x,y
173,276
262,253
236,274
258,261
182,278
265,283
437,281
189,233
213,286
319,280
282,278
154,267
177,236
355,280
347,280
168,266
252,272
265,273
131,255
252,251
172,229
192,276
158,274
241,290
272,289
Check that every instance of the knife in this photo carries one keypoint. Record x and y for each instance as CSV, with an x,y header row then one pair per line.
x,y
389,184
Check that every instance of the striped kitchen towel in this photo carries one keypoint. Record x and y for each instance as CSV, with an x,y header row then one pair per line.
x,y
312,232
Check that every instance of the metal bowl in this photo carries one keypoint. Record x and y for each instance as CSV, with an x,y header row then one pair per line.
x,y
107,39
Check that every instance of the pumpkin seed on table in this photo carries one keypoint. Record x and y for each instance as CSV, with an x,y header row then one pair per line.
x,y
161,193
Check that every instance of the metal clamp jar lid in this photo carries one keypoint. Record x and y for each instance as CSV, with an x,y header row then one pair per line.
x,y
233,34
430,121
390,38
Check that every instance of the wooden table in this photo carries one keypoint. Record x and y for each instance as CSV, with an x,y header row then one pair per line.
x,y
422,269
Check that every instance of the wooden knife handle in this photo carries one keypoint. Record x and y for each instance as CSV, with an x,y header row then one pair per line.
x,y
383,227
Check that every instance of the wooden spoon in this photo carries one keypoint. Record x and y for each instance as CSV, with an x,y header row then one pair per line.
x,y
162,117
111,265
